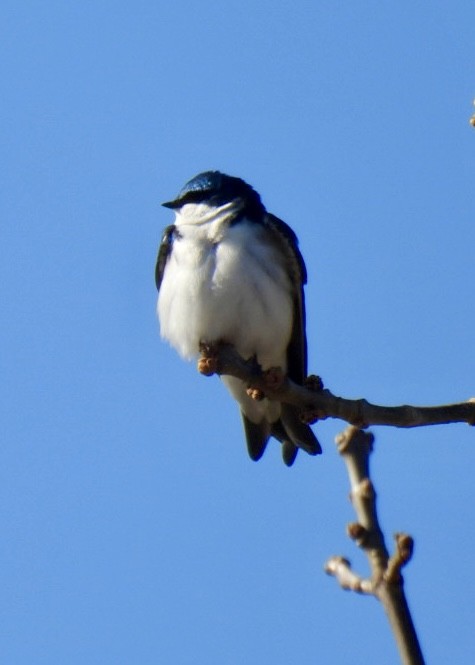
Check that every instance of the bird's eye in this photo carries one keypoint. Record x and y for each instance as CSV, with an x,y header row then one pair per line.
x,y
217,200
194,197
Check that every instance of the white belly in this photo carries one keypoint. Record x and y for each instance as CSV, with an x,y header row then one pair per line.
x,y
234,290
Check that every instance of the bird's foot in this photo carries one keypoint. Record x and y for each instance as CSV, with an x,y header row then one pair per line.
x,y
273,379
313,382
208,361
255,393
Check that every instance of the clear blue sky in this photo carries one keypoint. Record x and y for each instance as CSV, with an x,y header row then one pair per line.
x,y
134,528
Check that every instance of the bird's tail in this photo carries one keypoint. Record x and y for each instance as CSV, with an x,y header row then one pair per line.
x,y
289,430
298,435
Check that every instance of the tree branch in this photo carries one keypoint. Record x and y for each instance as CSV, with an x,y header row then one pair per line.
x,y
317,403
386,582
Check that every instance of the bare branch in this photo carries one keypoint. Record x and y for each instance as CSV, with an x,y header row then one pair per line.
x,y
317,403
386,583
402,556
340,568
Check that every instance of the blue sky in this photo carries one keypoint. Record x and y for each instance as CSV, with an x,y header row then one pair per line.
x,y
135,530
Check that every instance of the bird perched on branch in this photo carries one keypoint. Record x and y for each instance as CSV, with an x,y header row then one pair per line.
x,y
229,271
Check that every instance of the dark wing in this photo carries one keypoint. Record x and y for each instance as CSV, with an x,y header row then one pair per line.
x,y
297,350
297,433
257,436
163,253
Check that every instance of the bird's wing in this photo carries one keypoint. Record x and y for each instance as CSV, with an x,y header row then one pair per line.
x,y
297,349
257,436
163,253
290,430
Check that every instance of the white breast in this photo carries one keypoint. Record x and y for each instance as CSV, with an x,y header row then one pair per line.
x,y
226,283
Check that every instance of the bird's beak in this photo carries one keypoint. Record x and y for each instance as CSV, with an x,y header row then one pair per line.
x,y
172,204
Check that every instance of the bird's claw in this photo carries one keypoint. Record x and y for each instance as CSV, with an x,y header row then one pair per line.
x,y
313,382
255,393
208,362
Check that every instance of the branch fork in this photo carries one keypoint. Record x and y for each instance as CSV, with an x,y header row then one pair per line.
x,y
355,446
386,581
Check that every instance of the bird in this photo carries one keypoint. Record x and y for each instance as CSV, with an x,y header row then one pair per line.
x,y
228,271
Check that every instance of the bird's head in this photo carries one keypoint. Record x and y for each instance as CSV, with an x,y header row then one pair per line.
x,y
214,188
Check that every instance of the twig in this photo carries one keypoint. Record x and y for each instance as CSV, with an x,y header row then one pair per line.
x,y
318,403
386,582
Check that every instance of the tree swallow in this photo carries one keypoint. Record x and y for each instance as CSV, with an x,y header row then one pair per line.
x,y
229,271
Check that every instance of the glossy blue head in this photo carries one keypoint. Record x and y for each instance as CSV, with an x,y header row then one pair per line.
x,y
216,188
